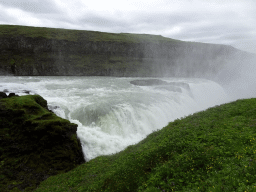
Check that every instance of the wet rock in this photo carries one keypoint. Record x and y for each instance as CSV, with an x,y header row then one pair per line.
x,y
148,82
180,84
2,95
169,88
26,91
12,95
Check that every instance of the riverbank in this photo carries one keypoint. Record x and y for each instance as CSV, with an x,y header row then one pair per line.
x,y
213,150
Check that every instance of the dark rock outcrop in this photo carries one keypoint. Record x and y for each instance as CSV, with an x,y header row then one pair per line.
x,y
2,95
12,95
148,82
160,84
34,143
157,82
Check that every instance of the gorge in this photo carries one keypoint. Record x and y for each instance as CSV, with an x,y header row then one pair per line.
x,y
34,51
115,92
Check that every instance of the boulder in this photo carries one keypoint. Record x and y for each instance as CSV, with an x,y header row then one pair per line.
x,y
12,95
2,95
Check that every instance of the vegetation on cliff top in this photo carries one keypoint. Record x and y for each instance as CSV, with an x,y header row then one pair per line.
x,y
35,143
77,35
213,150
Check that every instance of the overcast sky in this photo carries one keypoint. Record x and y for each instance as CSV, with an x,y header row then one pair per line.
x,y
230,22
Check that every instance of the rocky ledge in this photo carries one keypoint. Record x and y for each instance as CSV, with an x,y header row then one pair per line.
x,y
171,86
34,143
148,82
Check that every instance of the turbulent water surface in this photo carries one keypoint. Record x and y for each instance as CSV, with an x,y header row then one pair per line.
x,y
112,113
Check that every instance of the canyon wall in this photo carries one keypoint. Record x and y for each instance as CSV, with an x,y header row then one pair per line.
x,y
43,51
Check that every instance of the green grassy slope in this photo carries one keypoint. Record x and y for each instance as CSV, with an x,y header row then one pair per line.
x,y
213,150
77,35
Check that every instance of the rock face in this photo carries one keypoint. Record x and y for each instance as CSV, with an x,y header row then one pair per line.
x,y
3,95
35,143
160,84
44,51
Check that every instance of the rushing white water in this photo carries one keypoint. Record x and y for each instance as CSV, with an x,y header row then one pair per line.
x,y
111,113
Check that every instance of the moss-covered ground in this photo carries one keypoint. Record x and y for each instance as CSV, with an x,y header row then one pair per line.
x,y
213,150
35,143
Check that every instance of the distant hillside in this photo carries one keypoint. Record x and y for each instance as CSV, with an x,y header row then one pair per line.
x,y
47,51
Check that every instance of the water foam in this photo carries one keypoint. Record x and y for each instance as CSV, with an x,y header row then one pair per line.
x,y
111,113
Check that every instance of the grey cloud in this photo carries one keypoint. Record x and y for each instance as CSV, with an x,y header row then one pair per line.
x,y
193,20
247,45
6,18
163,18
33,6
110,24
100,21
136,21
144,23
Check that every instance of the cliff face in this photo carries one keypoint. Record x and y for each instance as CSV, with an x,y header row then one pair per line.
x,y
42,51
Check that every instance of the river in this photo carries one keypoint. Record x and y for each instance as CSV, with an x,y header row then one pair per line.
x,y
111,113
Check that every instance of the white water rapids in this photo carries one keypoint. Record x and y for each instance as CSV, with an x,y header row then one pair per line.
x,y
111,113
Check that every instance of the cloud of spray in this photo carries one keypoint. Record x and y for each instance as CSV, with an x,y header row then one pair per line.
x,y
238,77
